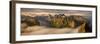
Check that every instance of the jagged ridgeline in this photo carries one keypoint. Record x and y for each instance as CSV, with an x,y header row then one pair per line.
x,y
56,21
61,21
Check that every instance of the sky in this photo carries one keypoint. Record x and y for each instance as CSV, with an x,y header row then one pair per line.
x,y
38,11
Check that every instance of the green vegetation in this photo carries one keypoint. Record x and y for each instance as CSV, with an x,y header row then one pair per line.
x,y
59,21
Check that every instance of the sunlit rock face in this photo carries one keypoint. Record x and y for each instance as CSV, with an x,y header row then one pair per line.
x,y
54,21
